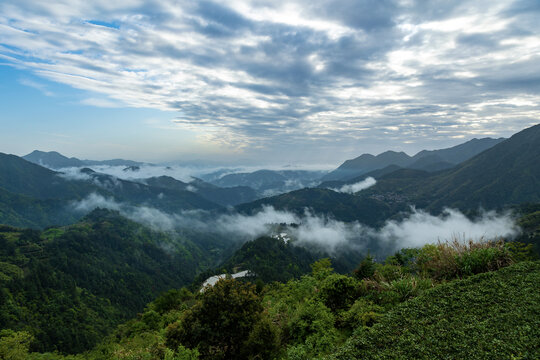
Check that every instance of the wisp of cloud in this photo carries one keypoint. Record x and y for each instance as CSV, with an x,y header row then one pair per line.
x,y
356,187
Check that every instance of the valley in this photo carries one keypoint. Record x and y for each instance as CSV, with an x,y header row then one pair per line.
x,y
105,246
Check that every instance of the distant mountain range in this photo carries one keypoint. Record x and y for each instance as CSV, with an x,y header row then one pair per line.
x,y
505,174
428,160
343,207
55,160
32,195
271,182
224,196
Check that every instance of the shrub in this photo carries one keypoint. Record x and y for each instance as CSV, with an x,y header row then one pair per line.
x,y
410,287
362,313
310,318
452,259
366,268
264,340
520,251
221,321
482,260
338,291
321,269
388,273
171,300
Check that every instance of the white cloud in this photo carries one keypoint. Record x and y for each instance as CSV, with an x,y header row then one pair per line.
x,y
321,232
356,187
263,73
74,173
105,103
422,228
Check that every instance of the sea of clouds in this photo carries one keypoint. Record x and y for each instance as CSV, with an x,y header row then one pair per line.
x,y
184,173
323,232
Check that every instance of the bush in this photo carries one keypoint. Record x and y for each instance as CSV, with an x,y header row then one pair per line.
x,y
388,273
220,323
171,300
482,260
453,259
338,292
362,313
310,318
520,251
264,340
366,268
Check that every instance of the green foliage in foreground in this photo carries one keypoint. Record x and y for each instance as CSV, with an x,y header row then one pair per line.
x,y
404,308
495,315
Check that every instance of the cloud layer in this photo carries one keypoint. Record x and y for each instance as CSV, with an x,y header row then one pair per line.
x,y
262,74
321,232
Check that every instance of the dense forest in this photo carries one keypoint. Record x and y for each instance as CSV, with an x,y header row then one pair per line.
x,y
72,285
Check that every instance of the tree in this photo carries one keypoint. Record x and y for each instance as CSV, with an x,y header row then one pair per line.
x,y
220,323
366,268
14,345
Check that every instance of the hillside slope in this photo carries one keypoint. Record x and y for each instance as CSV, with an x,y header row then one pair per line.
x,y
34,196
429,160
74,284
494,315
504,175
344,207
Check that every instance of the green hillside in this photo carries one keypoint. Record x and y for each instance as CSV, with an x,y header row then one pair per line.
x,y
344,207
34,196
269,259
450,300
504,175
19,176
70,286
224,196
495,315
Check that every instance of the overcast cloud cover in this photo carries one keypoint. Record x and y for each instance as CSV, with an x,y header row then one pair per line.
x,y
261,74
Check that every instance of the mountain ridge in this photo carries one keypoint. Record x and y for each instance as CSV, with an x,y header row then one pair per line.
x,y
447,157
55,160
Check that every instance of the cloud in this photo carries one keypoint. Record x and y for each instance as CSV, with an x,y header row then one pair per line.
x,y
422,228
359,186
148,216
191,188
415,230
280,75
321,232
255,225
94,201
186,173
74,173
36,85
104,103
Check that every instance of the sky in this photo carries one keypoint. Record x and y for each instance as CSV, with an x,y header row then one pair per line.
x,y
257,81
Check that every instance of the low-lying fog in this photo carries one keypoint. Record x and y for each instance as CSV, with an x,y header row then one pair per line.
x,y
416,229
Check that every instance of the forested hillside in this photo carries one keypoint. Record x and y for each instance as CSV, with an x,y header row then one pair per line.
x,y
70,286
506,174
344,207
